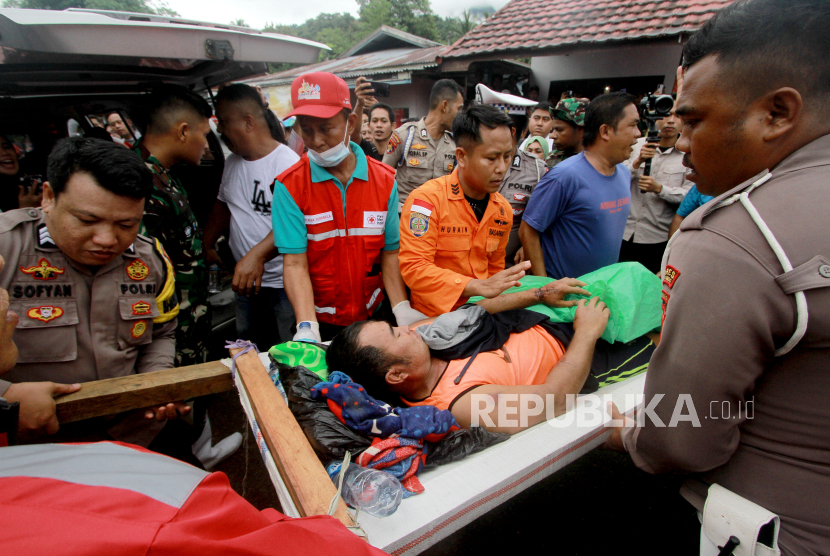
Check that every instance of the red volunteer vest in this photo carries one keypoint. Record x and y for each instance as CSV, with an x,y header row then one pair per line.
x,y
343,249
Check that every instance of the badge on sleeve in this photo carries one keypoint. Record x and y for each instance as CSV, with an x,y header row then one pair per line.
x,y
138,330
138,270
672,274
394,141
43,270
44,313
418,224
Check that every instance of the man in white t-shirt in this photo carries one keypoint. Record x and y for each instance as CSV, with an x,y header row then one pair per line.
x,y
259,154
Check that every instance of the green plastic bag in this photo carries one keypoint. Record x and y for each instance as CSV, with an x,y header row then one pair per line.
x,y
631,292
296,354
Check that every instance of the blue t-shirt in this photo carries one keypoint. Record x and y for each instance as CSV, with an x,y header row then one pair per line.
x,y
580,215
691,201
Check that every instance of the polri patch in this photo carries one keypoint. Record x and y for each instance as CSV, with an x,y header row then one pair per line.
x,y
43,270
414,162
672,274
394,141
138,329
141,308
138,270
418,224
44,313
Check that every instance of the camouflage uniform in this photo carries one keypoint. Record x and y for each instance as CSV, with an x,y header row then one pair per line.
x,y
168,217
568,110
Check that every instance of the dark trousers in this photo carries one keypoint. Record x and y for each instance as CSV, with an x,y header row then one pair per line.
x,y
650,255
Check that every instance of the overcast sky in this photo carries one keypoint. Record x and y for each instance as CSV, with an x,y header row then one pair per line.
x,y
257,13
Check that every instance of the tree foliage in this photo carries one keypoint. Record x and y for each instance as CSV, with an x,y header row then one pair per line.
x,y
136,6
342,31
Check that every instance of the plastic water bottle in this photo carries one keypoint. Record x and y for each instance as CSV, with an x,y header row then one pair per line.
x,y
214,283
377,493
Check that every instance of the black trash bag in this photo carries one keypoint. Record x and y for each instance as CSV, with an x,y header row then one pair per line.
x,y
460,444
327,435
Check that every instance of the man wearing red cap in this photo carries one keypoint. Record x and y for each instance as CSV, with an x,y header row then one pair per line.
x,y
336,219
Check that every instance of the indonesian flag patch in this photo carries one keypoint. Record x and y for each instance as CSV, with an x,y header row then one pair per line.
x,y
423,207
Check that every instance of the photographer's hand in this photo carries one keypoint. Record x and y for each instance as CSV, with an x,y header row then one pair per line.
x,y
646,153
648,184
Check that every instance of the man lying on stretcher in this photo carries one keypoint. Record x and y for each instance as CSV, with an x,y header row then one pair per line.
x,y
490,348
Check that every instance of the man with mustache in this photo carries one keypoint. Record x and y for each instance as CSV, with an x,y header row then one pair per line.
x,y
746,294
259,154
654,198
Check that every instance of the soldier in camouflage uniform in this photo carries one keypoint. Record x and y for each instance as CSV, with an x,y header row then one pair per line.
x,y
177,133
568,121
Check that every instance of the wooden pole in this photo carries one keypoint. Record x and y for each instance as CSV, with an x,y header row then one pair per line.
x,y
116,395
307,481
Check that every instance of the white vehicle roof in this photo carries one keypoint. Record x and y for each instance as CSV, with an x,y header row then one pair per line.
x,y
42,51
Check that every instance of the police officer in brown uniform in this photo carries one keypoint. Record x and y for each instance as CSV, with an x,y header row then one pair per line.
x,y
737,391
424,150
94,299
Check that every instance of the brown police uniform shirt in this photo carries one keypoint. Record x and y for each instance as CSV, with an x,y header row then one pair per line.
x,y
517,186
727,309
424,159
76,326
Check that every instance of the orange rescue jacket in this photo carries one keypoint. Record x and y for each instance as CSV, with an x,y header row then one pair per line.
x,y
443,246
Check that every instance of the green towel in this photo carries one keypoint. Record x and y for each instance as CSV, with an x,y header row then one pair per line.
x,y
301,354
631,292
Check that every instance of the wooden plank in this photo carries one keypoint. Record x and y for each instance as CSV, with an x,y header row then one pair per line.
x,y
307,481
116,395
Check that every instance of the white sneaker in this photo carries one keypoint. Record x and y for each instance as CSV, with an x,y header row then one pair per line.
x,y
211,455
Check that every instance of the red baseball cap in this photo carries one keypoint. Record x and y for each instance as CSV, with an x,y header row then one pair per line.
x,y
320,94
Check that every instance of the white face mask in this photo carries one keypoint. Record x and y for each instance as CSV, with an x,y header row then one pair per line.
x,y
295,142
333,156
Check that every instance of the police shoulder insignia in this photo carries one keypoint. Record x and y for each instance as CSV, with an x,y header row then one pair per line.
x,y
394,141
43,270
517,161
424,133
138,329
141,308
138,270
414,162
418,224
44,313
672,274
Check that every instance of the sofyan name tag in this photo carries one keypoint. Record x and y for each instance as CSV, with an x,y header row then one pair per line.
x,y
318,218
374,219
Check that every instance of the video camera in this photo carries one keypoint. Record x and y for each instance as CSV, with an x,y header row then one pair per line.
x,y
653,108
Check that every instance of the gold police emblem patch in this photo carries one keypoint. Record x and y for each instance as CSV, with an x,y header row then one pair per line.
x,y
141,308
138,270
44,313
43,270
672,274
138,329
414,162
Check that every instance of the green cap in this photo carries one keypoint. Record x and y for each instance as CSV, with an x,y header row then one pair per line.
x,y
570,110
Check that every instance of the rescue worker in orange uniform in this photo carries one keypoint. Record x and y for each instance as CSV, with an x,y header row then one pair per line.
x,y
454,229
337,221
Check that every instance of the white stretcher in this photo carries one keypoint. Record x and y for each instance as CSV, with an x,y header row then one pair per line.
x,y
457,493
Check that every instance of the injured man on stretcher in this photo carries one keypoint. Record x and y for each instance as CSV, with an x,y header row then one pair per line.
x,y
493,363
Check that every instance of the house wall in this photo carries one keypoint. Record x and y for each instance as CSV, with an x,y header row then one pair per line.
x,y
621,61
414,95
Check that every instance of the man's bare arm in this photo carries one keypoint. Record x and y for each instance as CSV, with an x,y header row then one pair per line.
x,y
533,249
298,286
